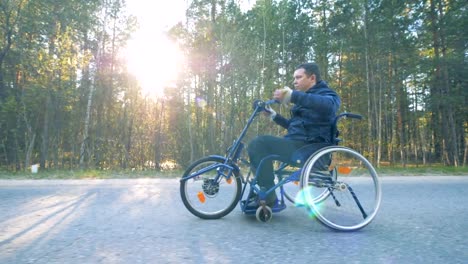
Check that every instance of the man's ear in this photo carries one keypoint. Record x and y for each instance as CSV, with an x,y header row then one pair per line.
x,y
313,77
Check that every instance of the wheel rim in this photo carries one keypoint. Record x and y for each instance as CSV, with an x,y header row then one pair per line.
x,y
357,190
210,194
264,214
292,191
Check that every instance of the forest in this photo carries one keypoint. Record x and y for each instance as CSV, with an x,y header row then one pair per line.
x,y
68,101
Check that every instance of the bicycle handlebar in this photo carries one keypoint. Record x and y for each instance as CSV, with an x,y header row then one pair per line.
x,y
261,104
348,115
351,115
272,101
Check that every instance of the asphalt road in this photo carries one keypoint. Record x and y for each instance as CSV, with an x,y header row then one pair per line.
x,y
421,220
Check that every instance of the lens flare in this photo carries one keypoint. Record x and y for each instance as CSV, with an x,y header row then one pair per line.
x,y
304,198
200,102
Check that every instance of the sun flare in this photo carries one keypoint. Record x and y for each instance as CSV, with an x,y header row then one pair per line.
x,y
155,62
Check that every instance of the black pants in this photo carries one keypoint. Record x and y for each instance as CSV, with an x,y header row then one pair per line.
x,y
263,146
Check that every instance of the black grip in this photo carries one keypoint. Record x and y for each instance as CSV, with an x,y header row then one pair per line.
x,y
356,116
258,103
261,104
272,101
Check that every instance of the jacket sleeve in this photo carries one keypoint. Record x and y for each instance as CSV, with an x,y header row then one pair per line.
x,y
325,102
281,120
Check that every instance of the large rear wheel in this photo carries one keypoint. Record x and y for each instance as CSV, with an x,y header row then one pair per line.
x,y
292,189
353,196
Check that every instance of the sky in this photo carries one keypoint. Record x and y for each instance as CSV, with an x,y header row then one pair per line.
x,y
158,14
151,56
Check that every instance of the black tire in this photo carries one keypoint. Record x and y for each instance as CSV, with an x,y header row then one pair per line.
x,y
355,194
210,195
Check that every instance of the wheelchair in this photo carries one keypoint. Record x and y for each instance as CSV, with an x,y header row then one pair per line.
x,y
335,185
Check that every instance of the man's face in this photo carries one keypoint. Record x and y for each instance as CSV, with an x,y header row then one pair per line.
x,y
302,82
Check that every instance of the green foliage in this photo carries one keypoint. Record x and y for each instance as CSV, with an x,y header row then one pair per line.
x,y
432,170
68,102
54,174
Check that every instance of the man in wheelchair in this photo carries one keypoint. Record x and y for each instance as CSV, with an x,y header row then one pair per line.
x,y
313,113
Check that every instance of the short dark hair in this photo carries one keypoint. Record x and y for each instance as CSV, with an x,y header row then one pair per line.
x,y
311,68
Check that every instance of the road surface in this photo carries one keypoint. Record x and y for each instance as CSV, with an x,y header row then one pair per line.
x,y
421,220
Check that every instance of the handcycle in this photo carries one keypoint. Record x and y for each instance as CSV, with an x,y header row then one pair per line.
x,y
335,184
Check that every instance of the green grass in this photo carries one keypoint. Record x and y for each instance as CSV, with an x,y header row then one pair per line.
x,y
88,174
128,174
423,171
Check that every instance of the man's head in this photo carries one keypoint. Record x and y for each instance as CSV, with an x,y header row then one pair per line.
x,y
306,75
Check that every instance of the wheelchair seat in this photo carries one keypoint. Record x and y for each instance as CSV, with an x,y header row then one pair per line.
x,y
300,156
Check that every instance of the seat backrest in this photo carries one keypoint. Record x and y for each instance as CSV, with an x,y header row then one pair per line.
x,y
334,133
302,154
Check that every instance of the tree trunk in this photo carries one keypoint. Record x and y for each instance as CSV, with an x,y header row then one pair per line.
x,y
449,120
45,132
379,126
30,147
31,136
86,125
158,138
189,119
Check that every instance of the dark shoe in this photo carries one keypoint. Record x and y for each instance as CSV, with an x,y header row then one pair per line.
x,y
271,199
254,202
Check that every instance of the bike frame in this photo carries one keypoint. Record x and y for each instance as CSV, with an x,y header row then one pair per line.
x,y
233,153
310,164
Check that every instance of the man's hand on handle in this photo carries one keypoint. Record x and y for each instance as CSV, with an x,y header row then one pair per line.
x,y
270,112
283,95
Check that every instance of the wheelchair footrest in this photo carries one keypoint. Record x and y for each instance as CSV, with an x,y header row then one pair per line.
x,y
277,207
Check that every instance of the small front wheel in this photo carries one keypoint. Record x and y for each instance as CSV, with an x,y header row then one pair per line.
x,y
264,213
209,188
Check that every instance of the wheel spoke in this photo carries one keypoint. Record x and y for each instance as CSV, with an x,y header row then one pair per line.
x,y
212,190
354,194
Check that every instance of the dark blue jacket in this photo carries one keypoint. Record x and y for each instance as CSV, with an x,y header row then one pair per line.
x,y
312,114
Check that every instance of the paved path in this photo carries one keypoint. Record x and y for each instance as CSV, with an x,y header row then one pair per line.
x,y
422,220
